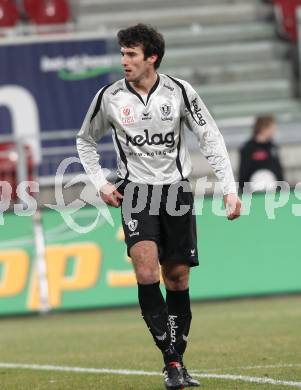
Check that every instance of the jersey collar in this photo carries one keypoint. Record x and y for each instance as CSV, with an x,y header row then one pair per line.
x,y
154,87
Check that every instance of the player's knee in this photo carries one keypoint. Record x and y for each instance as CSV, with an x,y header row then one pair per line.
x,y
147,276
177,281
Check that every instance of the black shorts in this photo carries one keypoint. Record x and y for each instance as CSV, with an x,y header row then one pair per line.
x,y
163,214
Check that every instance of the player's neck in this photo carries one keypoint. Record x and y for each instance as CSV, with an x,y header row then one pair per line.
x,y
146,83
262,139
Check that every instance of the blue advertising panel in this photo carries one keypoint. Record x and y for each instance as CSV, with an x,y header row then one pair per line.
x,y
47,85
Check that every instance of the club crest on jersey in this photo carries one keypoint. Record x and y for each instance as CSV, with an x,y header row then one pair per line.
x,y
127,115
166,111
126,111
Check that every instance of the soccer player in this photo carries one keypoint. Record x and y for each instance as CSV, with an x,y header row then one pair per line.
x,y
147,113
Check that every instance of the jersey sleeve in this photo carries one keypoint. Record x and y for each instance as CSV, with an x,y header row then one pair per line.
x,y
211,141
94,127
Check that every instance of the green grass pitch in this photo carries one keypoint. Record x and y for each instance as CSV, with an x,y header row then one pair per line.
x,y
254,338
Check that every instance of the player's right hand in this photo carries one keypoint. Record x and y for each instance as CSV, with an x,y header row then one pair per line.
x,y
233,206
110,195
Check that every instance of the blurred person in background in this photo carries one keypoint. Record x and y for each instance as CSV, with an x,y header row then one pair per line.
x,y
147,112
260,164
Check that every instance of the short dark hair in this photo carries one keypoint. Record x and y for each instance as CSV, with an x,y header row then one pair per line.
x,y
262,122
150,39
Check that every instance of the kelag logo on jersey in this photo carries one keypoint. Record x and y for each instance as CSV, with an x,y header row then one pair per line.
x,y
167,139
197,111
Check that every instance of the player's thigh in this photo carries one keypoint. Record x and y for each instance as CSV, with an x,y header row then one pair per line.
x,y
142,237
145,259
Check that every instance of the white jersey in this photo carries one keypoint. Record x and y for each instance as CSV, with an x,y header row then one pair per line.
x,y
148,133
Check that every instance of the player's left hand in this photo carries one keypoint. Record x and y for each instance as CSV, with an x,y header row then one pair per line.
x,y
233,206
110,195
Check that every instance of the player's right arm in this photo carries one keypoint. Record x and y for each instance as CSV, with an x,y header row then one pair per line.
x,y
94,127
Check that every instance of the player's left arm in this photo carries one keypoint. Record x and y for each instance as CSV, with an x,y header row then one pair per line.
x,y
212,145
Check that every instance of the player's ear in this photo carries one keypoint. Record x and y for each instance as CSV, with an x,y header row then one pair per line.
x,y
152,59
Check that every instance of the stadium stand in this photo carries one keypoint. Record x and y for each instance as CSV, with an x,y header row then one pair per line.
x,y
226,46
46,12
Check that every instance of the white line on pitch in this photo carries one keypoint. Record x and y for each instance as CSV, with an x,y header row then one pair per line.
x,y
280,365
252,379
258,380
48,367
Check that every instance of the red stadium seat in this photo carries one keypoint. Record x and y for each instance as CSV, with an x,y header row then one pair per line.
x,y
9,15
287,11
31,8
47,11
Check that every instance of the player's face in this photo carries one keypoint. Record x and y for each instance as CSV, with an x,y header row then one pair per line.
x,y
269,132
134,65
